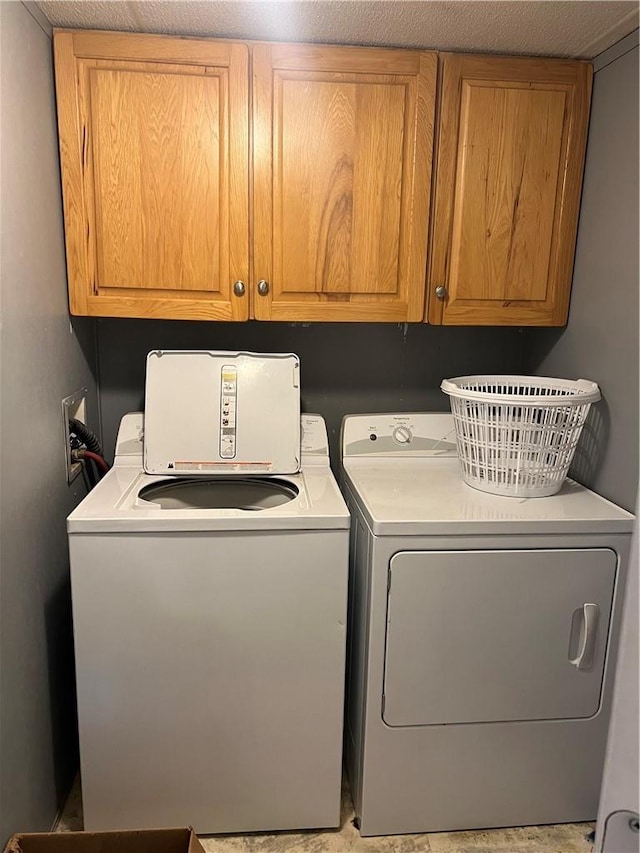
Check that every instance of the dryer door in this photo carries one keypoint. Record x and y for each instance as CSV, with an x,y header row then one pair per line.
x,y
487,636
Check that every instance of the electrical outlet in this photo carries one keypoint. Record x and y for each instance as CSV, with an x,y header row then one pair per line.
x,y
74,406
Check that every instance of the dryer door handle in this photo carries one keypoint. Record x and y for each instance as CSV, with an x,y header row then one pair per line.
x,y
590,616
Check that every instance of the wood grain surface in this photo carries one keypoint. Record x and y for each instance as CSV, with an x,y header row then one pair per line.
x,y
71,141
342,164
512,137
155,180
168,202
142,47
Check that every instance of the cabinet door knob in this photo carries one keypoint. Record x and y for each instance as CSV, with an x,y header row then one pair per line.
x,y
263,287
239,288
441,292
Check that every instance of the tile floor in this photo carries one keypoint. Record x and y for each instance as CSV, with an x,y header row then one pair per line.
x,y
562,838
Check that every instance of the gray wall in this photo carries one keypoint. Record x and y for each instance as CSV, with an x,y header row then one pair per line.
x,y
621,782
601,339
346,367
42,360
608,250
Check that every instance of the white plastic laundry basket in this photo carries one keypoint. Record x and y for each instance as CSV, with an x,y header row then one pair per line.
x,y
517,435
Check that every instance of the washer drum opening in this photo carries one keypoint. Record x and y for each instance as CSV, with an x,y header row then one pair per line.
x,y
223,493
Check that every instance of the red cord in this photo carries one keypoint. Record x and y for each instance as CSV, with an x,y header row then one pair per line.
x,y
100,462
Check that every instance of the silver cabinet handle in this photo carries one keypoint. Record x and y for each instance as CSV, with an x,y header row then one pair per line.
x,y
584,658
239,288
441,292
263,287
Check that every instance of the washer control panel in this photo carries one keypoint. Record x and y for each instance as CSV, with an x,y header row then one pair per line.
x,y
417,434
313,431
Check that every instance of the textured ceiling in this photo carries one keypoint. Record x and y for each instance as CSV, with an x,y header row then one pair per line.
x,y
546,27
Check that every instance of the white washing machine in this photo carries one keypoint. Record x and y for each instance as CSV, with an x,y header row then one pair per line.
x,y
209,611
482,639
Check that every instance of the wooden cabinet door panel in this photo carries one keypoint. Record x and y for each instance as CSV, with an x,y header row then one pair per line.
x,y
328,243
342,150
159,210
156,193
510,158
508,174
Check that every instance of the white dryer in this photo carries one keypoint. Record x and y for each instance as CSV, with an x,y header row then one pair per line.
x,y
209,611
482,643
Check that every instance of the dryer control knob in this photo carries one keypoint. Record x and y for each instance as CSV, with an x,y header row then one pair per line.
x,y
402,435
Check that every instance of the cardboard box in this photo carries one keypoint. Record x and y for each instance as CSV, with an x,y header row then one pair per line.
x,y
135,841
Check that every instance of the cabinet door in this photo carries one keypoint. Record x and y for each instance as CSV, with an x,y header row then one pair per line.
x,y
154,157
342,173
511,145
494,636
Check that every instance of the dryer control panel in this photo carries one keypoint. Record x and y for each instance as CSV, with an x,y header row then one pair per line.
x,y
402,434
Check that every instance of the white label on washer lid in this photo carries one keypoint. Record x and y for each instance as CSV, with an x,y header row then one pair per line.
x,y
228,400
217,467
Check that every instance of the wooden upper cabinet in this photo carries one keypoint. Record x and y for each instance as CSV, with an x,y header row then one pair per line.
x,y
510,156
162,220
154,157
342,150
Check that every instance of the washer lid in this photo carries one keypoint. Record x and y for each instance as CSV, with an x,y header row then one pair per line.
x,y
210,412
